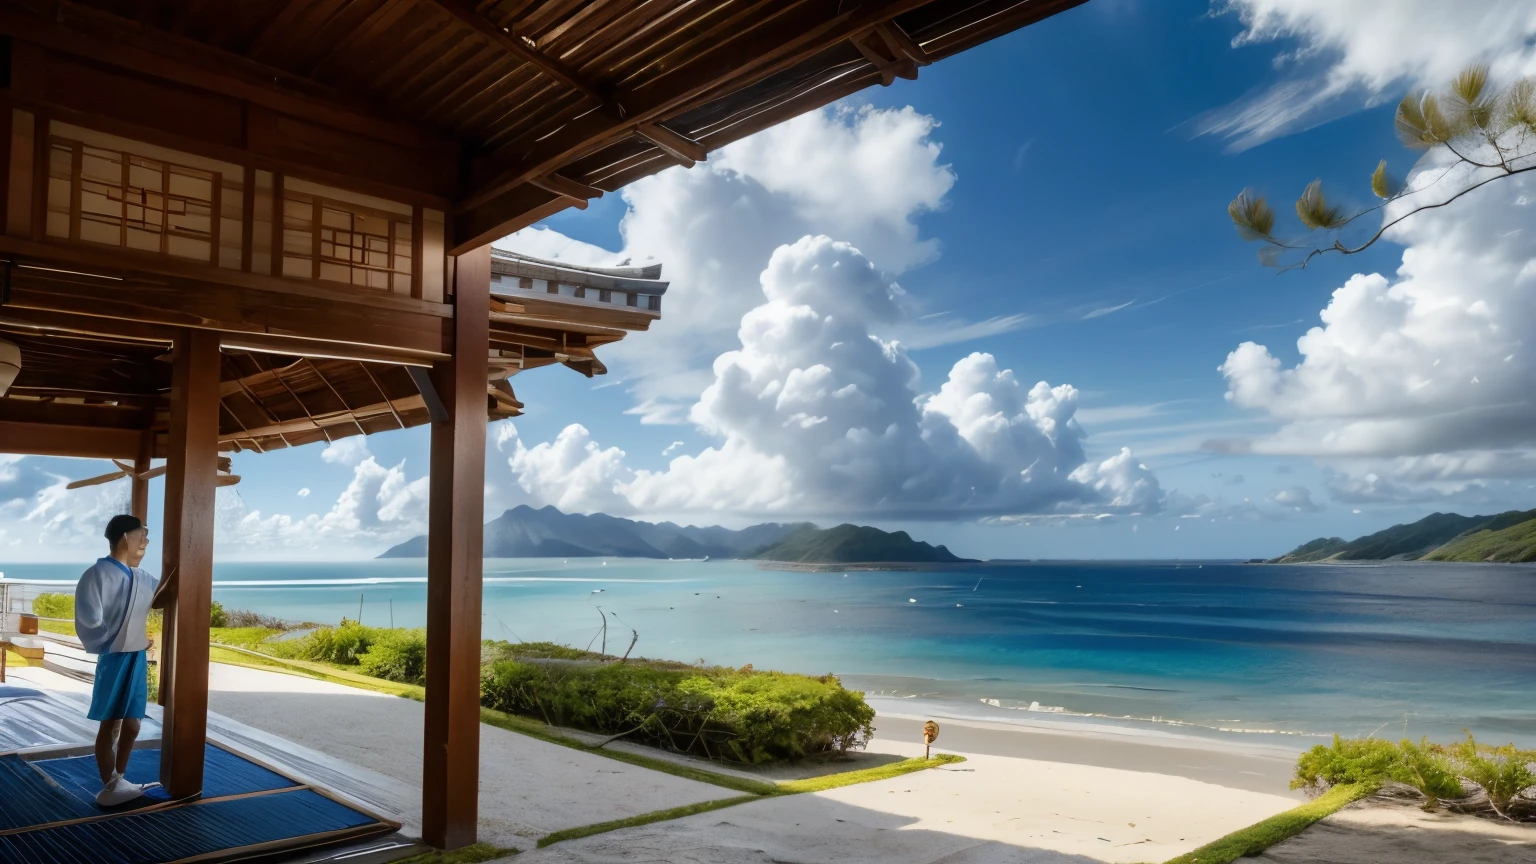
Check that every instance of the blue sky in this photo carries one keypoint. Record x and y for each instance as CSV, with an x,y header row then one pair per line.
x,y
1054,199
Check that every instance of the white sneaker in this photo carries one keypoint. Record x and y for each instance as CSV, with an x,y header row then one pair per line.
x,y
118,791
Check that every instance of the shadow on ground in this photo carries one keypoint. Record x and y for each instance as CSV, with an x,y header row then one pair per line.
x,y
1372,832
802,829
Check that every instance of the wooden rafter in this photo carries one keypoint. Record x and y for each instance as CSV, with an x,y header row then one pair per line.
x,y
568,188
680,147
779,43
515,45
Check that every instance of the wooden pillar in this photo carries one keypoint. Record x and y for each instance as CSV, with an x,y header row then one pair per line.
x,y
187,541
140,497
451,759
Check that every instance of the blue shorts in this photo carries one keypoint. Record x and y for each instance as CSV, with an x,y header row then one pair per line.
x,y
122,686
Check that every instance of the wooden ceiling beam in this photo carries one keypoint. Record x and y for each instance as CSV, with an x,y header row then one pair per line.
x,y
103,37
890,68
565,186
513,44
73,414
901,44
247,305
680,147
795,35
56,439
324,422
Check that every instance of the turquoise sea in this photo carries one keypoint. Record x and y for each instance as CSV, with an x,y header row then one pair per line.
x,y
1272,655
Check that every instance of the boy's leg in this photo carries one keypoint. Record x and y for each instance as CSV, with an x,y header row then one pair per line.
x,y
125,739
106,737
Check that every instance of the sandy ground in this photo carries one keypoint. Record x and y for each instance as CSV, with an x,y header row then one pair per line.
x,y
1395,833
528,788
1253,769
988,809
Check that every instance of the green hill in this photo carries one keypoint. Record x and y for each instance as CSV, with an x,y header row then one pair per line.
x,y
1509,537
850,544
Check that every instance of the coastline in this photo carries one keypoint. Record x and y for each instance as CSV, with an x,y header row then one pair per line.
x,y
1252,768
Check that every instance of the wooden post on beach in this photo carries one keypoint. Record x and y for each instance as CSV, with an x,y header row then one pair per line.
x,y
187,546
456,513
930,735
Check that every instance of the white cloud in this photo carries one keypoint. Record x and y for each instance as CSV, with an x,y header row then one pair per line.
x,y
859,174
1353,53
1298,498
813,414
304,493
347,451
1383,385
572,472
380,506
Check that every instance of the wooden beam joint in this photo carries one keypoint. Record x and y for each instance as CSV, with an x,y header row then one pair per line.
x,y
685,150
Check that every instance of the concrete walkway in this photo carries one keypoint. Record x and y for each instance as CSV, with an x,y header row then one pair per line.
x,y
988,810
528,788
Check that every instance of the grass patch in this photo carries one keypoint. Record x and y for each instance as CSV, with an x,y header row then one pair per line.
x,y
235,656
473,854
245,637
643,819
1262,835
866,775
62,628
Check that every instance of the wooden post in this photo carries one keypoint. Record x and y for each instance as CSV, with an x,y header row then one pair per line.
x,y
191,465
451,760
140,496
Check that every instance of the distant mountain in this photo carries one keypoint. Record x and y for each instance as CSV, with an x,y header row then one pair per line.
x,y
849,544
1508,537
524,532
1437,537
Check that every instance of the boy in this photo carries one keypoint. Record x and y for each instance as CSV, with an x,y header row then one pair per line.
x,y
112,604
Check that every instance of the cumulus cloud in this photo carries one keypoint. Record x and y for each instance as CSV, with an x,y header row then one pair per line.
x,y
1422,379
347,451
1297,498
572,472
379,506
815,414
714,226
1349,54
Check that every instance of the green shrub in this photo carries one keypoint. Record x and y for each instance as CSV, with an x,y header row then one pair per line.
x,y
216,616
1503,772
1349,760
1428,768
343,643
54,606
1433,769
396,655
737,715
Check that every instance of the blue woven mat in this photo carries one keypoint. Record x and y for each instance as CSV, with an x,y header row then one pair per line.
x,y
224,773
185,831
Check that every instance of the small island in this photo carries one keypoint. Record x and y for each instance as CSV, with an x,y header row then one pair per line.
x,y
526,532
1504,538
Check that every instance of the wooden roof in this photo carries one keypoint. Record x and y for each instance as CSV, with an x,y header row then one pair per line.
x,y
271,400
514,109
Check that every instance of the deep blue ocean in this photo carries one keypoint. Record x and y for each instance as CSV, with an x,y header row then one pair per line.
x,y
1272,655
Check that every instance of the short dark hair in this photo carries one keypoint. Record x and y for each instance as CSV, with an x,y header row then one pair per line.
x,y
120,525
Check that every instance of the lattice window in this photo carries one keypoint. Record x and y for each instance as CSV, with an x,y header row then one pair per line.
x,y
340,241
118,198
